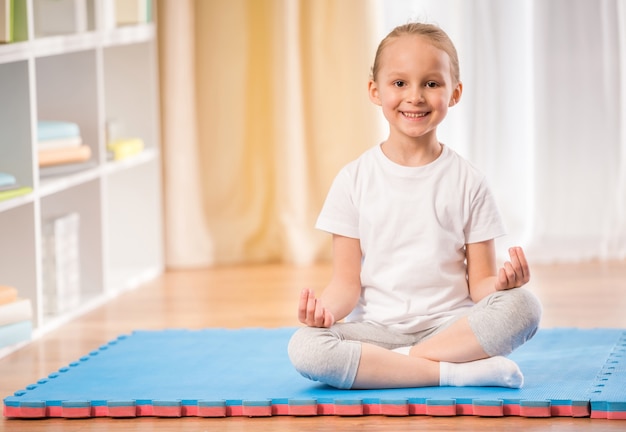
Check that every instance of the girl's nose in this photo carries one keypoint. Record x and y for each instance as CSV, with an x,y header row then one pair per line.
x,y
415,95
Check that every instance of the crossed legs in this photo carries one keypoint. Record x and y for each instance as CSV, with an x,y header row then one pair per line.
x,y
467,352
452,357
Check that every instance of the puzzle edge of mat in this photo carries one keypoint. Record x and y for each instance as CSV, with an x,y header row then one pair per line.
x,y
299,407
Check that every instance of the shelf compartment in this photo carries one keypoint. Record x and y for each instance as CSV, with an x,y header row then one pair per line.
x,y
61,17
132,262
67,90
18,249
16,153
130,92
84,200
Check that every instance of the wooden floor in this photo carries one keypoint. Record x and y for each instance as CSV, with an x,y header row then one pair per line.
x,y
586,295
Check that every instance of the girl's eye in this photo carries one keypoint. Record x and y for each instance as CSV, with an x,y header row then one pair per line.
x,y
431,84
399,84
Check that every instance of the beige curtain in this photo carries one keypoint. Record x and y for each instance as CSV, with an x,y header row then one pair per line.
x,y
263,101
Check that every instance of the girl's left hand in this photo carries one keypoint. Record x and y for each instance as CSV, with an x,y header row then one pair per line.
x,y
514,273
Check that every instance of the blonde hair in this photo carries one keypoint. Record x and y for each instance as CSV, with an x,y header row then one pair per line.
x,y
433,33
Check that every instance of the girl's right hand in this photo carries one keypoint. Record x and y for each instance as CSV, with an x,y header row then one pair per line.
x,y
311,311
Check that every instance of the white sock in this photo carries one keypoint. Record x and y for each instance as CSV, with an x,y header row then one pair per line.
x,y
490,372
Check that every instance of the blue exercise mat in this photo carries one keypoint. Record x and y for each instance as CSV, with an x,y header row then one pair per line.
x,y
246,372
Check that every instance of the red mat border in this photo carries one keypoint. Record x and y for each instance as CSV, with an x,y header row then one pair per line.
x,y
431,407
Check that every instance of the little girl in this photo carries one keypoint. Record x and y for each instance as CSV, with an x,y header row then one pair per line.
x,y
414,268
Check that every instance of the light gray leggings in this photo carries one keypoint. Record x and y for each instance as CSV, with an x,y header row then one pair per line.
x,y
501,322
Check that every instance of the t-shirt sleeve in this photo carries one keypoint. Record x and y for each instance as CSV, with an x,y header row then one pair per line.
x,y
339,214
485,222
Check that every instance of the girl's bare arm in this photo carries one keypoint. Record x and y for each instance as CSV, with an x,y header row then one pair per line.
x,y
483,276
342,293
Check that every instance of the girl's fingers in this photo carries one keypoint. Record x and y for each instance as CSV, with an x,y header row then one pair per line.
x,y
311,305
521,264
506,277
319,315
302,305
511,276
329,320
502,280
306,307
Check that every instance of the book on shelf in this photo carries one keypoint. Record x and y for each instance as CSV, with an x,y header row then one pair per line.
x,y
14,193
15,333
18,310
61,263
123,148
6,21
8,294
59,17
129,12
19,21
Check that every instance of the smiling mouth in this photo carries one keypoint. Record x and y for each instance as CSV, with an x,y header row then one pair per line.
x,y
414,115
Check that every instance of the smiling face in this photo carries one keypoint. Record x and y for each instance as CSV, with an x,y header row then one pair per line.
x,y
414,87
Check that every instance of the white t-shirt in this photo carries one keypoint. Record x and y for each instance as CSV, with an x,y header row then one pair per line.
x,y
413,224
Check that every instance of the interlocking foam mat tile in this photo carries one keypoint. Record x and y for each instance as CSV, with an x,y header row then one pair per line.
x,y
246,372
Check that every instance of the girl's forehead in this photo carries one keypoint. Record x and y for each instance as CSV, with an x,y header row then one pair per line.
x,y
413,44
414,49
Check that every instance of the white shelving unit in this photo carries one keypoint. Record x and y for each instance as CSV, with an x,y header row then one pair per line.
x,y
90,78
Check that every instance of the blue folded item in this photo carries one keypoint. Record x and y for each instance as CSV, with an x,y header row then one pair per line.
x,y
6,179
53,130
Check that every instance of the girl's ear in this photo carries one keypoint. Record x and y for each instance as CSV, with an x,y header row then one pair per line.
x,y
456,94
372,89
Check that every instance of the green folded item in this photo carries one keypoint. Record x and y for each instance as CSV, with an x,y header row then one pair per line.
x,y
13,193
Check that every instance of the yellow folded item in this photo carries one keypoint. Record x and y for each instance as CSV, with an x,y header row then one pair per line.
x,y
14,193
123,148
